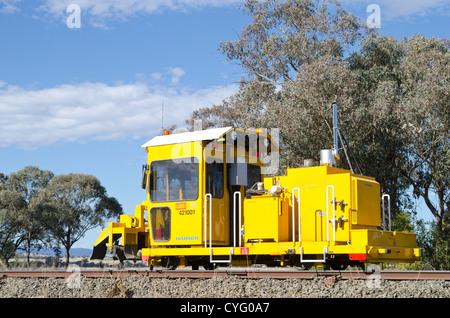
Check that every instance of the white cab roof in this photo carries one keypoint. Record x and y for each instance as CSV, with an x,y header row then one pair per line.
x,y
207,134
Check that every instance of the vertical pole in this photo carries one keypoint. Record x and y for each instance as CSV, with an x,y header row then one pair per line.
x,y
238,195
334,214
206,210
389,210
335,129
110,236
293,215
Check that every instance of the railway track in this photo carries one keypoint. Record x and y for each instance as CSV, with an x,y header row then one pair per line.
x,y
243,273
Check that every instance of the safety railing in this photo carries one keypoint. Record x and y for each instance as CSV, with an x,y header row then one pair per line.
x,y
298,213
238,195
207,211
208,208
389,210
333,220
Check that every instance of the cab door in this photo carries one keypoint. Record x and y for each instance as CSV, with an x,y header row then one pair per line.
x,y
216,203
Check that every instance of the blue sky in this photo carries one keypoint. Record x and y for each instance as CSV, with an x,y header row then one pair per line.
x,y
84,100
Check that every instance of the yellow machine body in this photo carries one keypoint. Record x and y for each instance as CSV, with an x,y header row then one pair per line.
x,y
209,203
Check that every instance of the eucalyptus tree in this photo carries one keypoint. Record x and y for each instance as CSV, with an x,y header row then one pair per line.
x,y
425,126
407,84
21,210
77,203
425,116
11,234
292,56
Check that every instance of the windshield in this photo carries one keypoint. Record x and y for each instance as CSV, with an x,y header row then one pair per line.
x,y
174,181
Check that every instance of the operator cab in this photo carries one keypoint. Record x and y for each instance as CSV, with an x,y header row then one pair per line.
x,y
190,180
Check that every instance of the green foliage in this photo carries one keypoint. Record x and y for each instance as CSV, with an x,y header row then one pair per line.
x,y
14,230
26,184
286,35
403,222
77,204
435,244
38,208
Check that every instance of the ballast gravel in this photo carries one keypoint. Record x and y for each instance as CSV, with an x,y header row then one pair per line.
x,y
218,287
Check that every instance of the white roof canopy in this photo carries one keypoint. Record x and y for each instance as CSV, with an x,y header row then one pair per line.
x,y
207,134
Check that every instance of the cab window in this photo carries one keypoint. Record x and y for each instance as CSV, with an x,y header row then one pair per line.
x,y
214,179
160,220
174,180
253,175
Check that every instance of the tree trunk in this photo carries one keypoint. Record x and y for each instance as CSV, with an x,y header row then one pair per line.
x,y
5,262
28,252
67,256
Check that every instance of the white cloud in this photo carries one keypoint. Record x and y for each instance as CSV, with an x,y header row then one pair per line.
x,y
171,74
9,6
391,9
176,73
398,8
128,8
95,111
100,10
156,76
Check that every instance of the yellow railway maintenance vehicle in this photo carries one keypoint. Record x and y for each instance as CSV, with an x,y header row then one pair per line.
x,y
209,203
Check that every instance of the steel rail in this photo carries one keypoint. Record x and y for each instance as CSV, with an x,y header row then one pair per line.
x,y
243,273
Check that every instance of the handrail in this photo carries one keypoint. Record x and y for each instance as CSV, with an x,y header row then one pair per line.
x,y
334,214
389,210
293,215
238,193
206,217
210,231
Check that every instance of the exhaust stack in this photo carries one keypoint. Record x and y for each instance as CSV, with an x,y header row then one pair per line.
x,y
328,157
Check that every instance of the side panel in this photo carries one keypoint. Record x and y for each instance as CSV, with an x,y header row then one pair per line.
x,y
366,202
313,183
266,219
313,216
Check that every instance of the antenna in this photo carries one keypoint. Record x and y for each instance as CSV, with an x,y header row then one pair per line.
x,y
338,135
162,116
335,131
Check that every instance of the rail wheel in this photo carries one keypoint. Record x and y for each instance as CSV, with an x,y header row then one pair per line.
x,y
337,266
170,263
209,266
